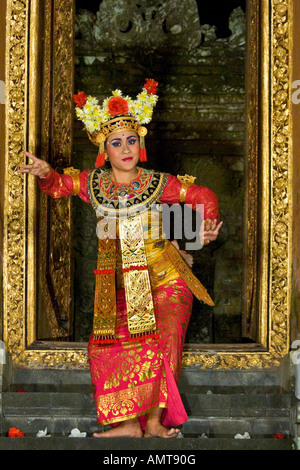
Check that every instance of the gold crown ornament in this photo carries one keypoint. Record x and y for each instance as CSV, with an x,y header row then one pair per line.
x,y
117,113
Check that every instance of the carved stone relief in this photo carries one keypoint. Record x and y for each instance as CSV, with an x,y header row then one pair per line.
x,y
148,24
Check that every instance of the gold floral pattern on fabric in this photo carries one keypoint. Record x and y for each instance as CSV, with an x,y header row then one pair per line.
x,y
155,363
123,404
173,305
135,369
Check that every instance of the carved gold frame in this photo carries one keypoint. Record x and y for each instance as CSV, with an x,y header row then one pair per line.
x,y
268,218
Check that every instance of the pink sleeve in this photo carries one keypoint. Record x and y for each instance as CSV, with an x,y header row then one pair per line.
x,y
195,195
57,185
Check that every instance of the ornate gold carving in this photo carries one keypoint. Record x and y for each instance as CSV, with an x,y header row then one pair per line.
x,y
59,261
281,178
236,360
251,171
46,303
56,139
276,205
14,274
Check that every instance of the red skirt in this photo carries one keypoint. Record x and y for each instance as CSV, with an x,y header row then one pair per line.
x,y
130,378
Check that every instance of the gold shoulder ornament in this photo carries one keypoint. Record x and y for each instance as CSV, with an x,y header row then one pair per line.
x,y
185,181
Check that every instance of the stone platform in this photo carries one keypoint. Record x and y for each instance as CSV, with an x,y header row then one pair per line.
x,y
220,405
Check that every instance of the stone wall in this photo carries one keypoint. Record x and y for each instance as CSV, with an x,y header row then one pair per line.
x,y
198,129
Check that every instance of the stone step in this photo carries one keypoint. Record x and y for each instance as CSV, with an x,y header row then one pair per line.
x,y
190,376
224,390
50,388
211,427
61,412
196,403
59,425
184,388
54,379
235,404
229,382
54,403
229,427
182,448
220,404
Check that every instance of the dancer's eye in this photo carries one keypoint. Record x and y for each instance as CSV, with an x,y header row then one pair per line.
x,y
132,141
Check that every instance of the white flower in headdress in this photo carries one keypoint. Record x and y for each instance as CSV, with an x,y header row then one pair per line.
x,y
93,115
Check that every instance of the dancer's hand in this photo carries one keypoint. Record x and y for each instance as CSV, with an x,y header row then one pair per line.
x,y
37,168
211,230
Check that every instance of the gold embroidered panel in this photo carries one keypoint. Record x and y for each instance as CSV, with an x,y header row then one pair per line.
x,y
269,217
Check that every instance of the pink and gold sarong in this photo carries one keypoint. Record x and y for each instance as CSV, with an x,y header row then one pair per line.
x,y
130,378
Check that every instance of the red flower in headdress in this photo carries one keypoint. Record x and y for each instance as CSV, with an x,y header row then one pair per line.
x,y
15,432
117,105
80,99
151,86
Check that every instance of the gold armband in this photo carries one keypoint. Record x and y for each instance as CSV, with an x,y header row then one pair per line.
x,y
75,178
185,181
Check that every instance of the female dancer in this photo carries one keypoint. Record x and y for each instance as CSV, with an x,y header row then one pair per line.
x,y
144,287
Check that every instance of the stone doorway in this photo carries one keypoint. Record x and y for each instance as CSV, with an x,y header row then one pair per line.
x,y
36,255
198,129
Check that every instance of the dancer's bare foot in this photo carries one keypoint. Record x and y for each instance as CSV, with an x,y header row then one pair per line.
x,y
159,430
129,428
154,428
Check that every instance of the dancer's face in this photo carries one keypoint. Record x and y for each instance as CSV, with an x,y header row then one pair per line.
x,y
123,150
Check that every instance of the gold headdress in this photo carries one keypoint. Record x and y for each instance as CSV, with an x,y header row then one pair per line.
x,y
116,114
